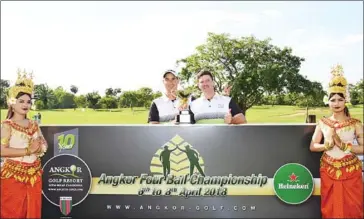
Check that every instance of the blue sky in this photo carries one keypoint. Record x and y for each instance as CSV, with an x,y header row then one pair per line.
x,y
96,45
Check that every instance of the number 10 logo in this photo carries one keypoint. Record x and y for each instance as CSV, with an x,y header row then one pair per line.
x,y
66,142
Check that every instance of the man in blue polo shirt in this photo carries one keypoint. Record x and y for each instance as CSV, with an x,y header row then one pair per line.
x,y
214,108
165,108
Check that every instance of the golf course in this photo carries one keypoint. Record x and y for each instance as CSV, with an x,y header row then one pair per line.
x,y
257,115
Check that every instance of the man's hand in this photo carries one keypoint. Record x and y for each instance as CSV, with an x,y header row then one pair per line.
x,y
174,122
183,107
228,117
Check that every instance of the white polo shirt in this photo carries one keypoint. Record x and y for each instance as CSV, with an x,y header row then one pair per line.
x,y
163,109
213,111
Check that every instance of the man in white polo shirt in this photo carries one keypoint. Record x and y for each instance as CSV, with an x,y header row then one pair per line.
x,y
165,108
214,108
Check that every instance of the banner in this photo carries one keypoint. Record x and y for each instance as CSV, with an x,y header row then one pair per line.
x,y
180,171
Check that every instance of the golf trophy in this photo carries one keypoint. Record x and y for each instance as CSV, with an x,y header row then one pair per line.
x,y
184,116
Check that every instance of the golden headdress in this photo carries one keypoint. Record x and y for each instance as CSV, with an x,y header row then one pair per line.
x,y
24,84
338,83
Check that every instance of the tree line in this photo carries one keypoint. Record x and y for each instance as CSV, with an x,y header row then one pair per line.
x,y
62,98
259,72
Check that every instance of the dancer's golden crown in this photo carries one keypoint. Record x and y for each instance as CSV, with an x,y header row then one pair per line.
x,y
24,84
338,82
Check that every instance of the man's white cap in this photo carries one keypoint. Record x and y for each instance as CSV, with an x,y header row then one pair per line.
x,y
171,72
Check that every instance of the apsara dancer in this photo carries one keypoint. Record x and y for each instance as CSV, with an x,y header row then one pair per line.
x,y
22,145
340,168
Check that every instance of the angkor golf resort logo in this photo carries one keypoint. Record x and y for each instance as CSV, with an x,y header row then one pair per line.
x,y
68,171
177,157
66,181
293,183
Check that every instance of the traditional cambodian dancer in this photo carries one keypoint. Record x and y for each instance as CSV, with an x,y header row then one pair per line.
x,y
22,145
340,168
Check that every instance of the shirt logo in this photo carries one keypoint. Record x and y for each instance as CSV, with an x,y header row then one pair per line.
x,y
220,105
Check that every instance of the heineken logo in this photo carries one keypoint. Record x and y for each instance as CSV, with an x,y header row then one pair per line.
x,y
293,183
293,178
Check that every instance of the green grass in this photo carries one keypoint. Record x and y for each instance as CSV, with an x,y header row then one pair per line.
x,y
258,114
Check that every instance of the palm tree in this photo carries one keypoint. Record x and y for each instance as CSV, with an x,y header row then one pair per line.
x,y
44,93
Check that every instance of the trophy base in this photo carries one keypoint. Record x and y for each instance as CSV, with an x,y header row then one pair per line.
x,y
184,117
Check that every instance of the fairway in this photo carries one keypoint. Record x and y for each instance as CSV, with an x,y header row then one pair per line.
x,y
258,114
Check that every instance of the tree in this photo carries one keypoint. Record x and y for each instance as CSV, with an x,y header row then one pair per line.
x,y
109,102
4,87
360,89
112,92
254,67
39,105
356,93
312,96
46,95
93,99
129,99
109,92
74,89
117,91
145,96
65,100
80,101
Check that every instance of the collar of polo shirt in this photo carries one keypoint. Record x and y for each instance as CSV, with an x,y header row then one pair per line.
x,y
165,97
215,97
